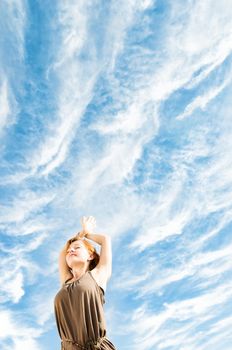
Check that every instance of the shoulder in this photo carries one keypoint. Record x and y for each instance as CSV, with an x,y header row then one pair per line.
x,y
101,277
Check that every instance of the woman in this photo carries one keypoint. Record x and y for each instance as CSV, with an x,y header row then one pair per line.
x,y
79,303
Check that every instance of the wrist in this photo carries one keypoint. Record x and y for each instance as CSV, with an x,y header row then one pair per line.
x,y
86,232
81,234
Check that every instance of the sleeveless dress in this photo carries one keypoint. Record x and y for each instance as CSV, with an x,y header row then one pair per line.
x,y
80,316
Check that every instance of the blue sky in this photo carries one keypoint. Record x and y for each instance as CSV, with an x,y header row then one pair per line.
x,y
120,110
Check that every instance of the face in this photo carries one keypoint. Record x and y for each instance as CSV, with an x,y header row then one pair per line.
x,y
76,253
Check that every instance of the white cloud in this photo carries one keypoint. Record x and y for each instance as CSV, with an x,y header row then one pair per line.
x,y
13,18
177,321
23,336
102,179
11,281
197,37
203,100
23,206
8,105
16,267
4,105
77,78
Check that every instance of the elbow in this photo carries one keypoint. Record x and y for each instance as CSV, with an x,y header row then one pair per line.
x,y
107,237
109,273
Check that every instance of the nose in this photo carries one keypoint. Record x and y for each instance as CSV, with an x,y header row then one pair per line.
x,y
71,250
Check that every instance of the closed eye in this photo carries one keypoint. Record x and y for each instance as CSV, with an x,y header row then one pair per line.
x,y
68,251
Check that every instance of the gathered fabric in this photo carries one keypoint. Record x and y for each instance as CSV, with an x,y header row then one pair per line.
x,y
80,315
89,345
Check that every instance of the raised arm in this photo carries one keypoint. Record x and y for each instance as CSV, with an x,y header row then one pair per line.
x,y
103,270
105,261
64,271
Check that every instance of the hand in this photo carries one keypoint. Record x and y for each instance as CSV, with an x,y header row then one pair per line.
x,y
88,224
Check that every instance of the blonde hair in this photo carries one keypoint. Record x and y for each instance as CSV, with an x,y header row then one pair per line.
x,y
91,249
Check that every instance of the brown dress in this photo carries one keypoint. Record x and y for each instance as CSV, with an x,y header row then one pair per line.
x,y
80,316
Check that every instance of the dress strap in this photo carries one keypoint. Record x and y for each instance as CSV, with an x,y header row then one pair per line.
x,y
89,345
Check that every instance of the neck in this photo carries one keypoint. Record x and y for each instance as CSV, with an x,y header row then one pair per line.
x,y
79,271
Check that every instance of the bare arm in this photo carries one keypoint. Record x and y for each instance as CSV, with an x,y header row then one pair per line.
x,y
104,266
105,261
103,269
63,267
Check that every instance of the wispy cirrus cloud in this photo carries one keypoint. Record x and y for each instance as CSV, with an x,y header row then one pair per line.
x,y
174,324
125,116
5,105
22,336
